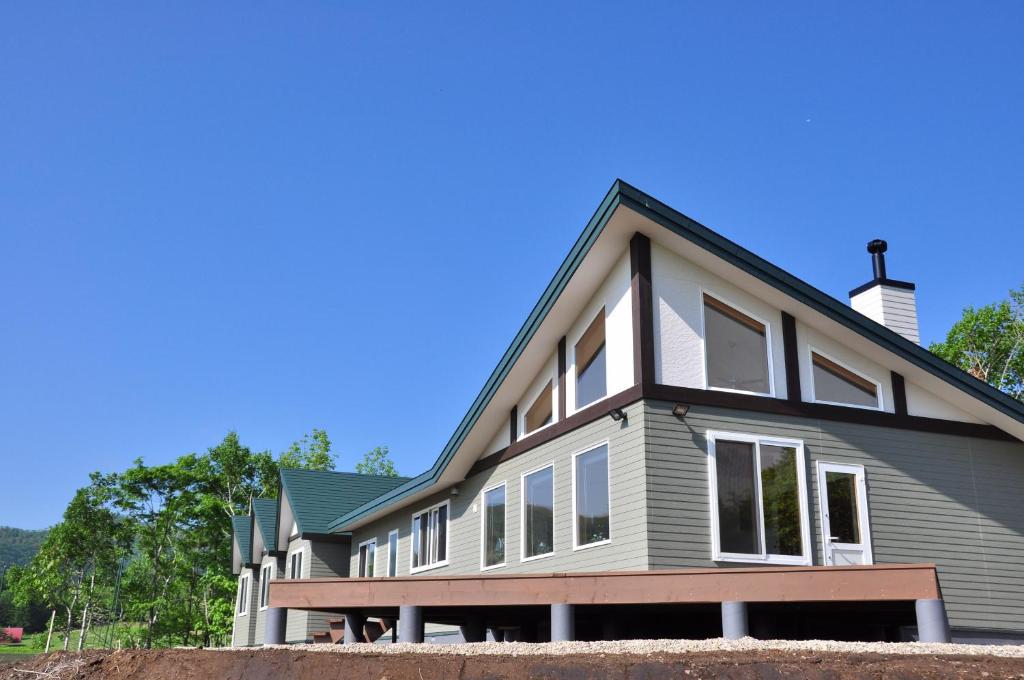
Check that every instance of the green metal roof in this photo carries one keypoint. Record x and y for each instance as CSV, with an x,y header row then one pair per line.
x,y
242,526
265,510
622,193
319,497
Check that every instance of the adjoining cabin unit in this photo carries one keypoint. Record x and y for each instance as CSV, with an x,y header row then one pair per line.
x,y
287,538
685,440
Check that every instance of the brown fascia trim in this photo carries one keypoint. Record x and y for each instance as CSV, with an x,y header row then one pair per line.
x,y
561,379
643,309
742,402
792,357
326,538
899,394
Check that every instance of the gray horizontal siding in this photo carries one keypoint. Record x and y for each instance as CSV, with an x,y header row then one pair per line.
x,y
950,500
244,631
627,550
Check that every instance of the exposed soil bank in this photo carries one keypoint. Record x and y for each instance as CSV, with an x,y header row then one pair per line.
x,y
287,664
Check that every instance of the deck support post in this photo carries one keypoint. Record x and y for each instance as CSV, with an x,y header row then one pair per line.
x,y
734,620
277,619
410,623
563,622
354,628
473,628
932,623
498,634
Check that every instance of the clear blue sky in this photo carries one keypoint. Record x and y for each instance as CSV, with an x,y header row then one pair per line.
x,y
273,217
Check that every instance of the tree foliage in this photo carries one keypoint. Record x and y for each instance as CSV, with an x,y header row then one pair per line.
x,y
312,452
988,343
147,551
377,462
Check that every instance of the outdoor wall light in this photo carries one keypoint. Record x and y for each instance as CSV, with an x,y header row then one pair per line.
x,y
680,410
617,414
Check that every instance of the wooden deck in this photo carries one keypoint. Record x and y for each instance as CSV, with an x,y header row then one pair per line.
x,y
874,583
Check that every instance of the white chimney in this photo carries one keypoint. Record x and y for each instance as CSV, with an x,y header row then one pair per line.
x,y
891,303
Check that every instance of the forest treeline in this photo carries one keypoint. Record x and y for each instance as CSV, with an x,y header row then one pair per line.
x,y
145,554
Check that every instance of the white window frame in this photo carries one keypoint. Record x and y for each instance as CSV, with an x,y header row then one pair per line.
x,y
530,400
704,345
483,527
522,513
266,573
242,606
575,518
447,537
359,557
812,350
863,515
801,473
392,554
571,407
302,559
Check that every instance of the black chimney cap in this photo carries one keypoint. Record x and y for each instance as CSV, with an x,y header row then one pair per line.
x,y
877,248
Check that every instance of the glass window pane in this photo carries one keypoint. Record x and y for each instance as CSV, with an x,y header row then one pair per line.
x,y
591,372
834,383
843,517
737,513
393,554
494,526
442,533
737,349
781,501
371,558
540,413
592,496
538,494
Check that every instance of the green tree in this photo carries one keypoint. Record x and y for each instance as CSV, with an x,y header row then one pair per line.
x,y
312,452
377,462
988,343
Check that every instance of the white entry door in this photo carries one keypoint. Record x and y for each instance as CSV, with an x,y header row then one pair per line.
x,y
845,531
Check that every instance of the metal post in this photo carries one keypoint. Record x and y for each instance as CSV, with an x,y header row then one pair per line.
x,y
734,620
932,623
410,623
277,619
563,622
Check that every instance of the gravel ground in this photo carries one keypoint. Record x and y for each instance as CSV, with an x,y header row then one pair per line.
x,y
642,647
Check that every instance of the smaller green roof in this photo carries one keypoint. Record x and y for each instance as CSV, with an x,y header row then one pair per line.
x,y
318,497
265,510
242,527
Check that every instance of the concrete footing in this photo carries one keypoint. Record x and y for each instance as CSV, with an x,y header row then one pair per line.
x,y
410,623
277,622
354,628
563,622
734,620
932,624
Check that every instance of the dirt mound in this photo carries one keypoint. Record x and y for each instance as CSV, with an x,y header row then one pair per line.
x,y
285,664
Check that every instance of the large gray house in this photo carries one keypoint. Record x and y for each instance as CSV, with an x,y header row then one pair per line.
x,y
685,440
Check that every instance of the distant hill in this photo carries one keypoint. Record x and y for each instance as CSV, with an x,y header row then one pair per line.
x,y
19,546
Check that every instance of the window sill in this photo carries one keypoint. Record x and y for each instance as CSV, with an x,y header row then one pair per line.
x,y
534,558
836,403
779,560
733,391
428,567
493,567
587,546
